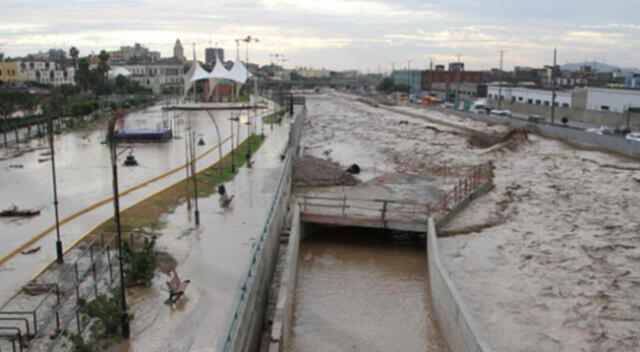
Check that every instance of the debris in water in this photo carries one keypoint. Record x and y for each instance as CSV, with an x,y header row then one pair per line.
x,y
31,251
14,211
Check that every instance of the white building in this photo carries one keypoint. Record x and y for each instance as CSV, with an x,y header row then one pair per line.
x,y
606,99
47,72
312,73
156,76
529,96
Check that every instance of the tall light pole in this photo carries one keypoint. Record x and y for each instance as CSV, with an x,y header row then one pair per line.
x,y
249,39
124,318
194,175
553,87
60,258
410,76
500,80
233,151
215,124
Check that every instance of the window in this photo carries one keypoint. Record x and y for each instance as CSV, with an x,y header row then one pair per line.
x,y
537,101
604,107
546,102
520,99
529,101
565,105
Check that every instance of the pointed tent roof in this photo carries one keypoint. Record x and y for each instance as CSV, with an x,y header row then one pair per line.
x,y
239,72
195,73
199,72
219,71
118,71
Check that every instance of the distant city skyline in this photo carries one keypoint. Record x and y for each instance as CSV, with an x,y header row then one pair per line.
x,y
366,35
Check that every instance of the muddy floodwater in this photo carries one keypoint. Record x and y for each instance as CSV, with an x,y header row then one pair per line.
x,y
359,291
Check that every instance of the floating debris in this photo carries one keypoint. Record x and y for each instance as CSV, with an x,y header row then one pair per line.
x,y
31,250
14,211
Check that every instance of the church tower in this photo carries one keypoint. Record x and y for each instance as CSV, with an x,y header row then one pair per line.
x,y
178,51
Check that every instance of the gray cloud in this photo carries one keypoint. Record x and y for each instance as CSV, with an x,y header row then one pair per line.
x,y
363,34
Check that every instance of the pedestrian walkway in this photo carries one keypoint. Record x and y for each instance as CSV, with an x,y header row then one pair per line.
x,y
213,256
16,271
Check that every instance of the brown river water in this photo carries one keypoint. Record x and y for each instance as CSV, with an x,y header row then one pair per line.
x,y
359,291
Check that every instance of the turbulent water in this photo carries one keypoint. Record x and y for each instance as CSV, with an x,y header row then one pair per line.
x,y
358,291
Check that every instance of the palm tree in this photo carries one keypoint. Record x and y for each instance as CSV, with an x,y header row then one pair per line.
x,y
74,52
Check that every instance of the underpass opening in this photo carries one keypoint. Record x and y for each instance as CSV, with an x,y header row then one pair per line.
x,y
362,289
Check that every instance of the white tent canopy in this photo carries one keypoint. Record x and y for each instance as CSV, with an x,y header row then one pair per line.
x,y
118,71
238,73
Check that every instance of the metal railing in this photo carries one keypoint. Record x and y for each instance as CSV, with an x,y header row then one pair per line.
x,y
393,210
274,214
60,304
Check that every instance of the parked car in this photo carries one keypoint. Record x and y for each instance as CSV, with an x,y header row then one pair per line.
x,y
596,130
633,136
622,130
538,119
501,113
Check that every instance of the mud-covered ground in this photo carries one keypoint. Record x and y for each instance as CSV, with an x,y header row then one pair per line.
x,y
548,261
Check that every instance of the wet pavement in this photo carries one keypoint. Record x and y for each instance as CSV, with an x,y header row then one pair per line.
x,y
84,179
213,257
357,290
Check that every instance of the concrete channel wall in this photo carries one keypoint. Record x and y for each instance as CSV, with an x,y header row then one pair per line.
x,y
283,316
614,144
457,326
244,325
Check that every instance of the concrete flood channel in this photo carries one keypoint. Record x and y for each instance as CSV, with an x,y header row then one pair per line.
x,y
362,289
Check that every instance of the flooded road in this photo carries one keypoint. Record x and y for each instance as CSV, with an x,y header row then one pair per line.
x,y
84,179
358,291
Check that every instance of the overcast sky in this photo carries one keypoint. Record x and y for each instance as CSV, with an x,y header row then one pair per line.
x,y
367,35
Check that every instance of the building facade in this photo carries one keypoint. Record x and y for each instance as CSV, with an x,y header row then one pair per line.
x,y
47,72
518,95
178,51
11,71
409,78
210,55
156,76
605,99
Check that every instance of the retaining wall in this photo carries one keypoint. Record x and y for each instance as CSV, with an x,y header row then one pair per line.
x,y
614,144
283,316
457,326
244,325
605,118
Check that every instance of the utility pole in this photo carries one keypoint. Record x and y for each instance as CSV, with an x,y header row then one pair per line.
x,y
430,75
553,87
410,76
500,80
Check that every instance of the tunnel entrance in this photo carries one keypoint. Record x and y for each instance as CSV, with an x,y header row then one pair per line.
x,y
362,289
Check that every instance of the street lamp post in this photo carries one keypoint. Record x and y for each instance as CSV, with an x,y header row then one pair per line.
x,y
215,124
248,40
124,319
233,151
194,174
60,258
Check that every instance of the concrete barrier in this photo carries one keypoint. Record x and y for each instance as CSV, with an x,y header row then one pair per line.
x,y
283,316
244,325
456,324
614,144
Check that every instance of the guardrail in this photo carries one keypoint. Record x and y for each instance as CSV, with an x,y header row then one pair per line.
x,y
243,325
60,302
390,210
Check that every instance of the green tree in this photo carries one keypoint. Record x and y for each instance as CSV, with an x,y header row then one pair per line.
x,y
122,84
386,85
74,52
12,101
83,75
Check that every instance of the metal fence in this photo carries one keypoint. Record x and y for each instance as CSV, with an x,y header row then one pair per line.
x,y
392,210
245,321
93,271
